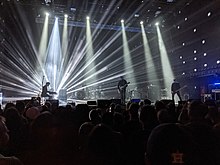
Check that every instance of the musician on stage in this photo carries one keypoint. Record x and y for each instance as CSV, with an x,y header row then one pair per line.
x,y
45,91
122,85
175,89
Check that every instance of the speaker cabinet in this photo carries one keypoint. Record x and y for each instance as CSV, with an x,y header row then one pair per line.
x,y
91,103
116,101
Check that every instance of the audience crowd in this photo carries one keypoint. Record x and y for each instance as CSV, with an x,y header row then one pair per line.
x,y
143,133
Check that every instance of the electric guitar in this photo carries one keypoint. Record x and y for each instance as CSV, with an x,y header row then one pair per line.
x,y
179,89
124,86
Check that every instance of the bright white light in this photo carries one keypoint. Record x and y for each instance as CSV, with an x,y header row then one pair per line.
x,y
183,43
157,23
165,62
122,21
47,14
205,65
183,73
186,19
181,57
136,15
195,70
195,87
209,14
184,62
194,51
1,98
178,27
194,30
150,68
218,62
204,54
87,17
195,58
66,16
126,54
203,41
141,22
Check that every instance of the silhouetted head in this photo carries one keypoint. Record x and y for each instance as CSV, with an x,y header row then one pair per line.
x,y
48,83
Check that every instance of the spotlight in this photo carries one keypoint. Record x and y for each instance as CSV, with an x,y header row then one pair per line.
x,y
66,16
141,22
122,21
87,17
47,14
157,23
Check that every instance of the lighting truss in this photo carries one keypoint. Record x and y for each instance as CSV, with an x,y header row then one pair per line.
x,y
98,26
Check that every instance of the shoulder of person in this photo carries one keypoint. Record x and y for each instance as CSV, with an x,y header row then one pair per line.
x,y
10,160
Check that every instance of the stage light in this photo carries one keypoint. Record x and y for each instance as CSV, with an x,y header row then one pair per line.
x,y
122,21
141,22
203,41
184,62
183,44
195,58
194,30
66,16
195,70
194,51
157,23
181,57
205,65
186,19
127,54
205,54
218,62
136,15
149,64
87,17
47,14
209,14
167,71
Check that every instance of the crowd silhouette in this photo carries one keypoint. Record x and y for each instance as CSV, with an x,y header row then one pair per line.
x,y
143,133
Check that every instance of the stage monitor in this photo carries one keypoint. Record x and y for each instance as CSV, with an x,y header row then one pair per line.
x,y
135,100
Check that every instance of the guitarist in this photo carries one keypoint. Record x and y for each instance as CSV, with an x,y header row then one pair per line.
x,y
175,89
122,85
